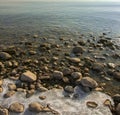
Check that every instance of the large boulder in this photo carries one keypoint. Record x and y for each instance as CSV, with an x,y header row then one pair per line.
x,y
28,76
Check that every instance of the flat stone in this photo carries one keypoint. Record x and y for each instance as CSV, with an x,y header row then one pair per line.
x,y
3,111
76,75
58,75
5,55
28,76
35,107
89,82
16,107
111,65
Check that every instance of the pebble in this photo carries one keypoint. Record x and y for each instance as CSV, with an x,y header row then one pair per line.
x,y
3,111
16,107
89,82
92,104
42,97
116,98
28,76
5,55
98,67
35,107
58,75
69,89
76,75
67,71
111,65
1,82
78,49
11,86
74,60
1,65
1,89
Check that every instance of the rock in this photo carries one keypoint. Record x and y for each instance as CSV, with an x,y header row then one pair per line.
x,y
111,65
41,88
98,67
116,75
92,104
3,111
89,82
42,97
11,86
35,107
67,71
5,56
30,93
31,52
58,75
8,64
35,36
78,49
74,60
16,107
116,98
1,65
1,82
28,76
118,109
69,89
1,89
76,75
9,94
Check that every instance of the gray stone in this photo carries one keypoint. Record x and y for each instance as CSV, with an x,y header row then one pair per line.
x,y
89,82
76,75
28,76
3,111
98,67
78,49
16,107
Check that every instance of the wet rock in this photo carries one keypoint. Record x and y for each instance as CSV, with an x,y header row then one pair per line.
x,y
92,104
14,63
78,49
28,76
1,65
116,75
11,86
67,71
76,75
3,111
31,52
9,94
42,97
69,89
35,36
98,67
74,60
89,82
35,107
8,64
1,89
5,56
58,75
30,93
41,89
118,109
16,107
81,42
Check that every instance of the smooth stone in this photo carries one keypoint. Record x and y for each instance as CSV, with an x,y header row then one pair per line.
x,y
74,60
58,75
42,97
42,89
9,94
78,49
89,82
69,89
118,109
76,75
111,65
116,75
28,76
1,65
67,71
5,55
16,107
35,107
3,111
98,67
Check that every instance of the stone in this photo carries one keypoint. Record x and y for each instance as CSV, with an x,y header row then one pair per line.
x,y
35,107
11,86
5,55
76,75
1,89
74,60
116,75
69,89
91,104
98,67
1,82
78,49
88,82
3,111
111,65
41,88
58,75
28,76
30,93
1,65
9,94
42,97
16,107
118,109
116,98
67,71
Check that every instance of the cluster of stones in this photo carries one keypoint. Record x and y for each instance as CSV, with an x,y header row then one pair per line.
x,y
47,65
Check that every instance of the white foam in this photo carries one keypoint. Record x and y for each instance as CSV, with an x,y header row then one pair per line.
x,y
64,105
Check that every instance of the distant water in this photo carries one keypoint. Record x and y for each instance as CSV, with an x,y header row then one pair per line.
x,y
58,18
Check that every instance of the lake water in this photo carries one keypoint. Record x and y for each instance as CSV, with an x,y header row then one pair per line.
x,y
58,18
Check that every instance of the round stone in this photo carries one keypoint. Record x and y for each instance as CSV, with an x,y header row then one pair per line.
x,y
3,111
57,75
16,107
69,89
76,75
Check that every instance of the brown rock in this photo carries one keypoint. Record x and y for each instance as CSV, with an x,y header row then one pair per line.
x,y
3,111
58,75
78,49
5,56
11,86
76,75
1,89
28,76
35,107
98,67
116,75
1,82
16,107
9,94
74,60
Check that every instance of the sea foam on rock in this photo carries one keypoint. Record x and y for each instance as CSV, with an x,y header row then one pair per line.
x,y
57,102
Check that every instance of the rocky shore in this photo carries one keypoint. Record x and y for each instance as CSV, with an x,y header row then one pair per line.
x,y
93,64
